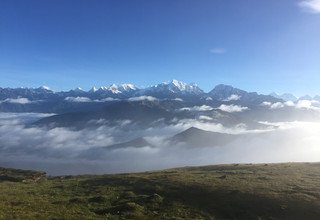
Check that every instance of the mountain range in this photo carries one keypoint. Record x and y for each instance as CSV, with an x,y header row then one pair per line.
x,y
156,105
177,113
170,89
43,99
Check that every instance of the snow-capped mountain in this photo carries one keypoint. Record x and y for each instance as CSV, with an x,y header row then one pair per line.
x,y
93,89
43,99
117,89
176,86
173,89
30,93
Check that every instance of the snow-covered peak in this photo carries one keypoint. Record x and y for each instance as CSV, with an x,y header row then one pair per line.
x,y
176,86
93,89
128,87
44,88
181,85
78,89
115,89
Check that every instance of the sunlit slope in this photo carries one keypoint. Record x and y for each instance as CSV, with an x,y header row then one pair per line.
x,y
264,191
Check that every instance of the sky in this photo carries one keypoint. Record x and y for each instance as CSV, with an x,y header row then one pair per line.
x,y
262,46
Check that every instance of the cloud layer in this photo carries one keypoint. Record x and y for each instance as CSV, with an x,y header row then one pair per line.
x,y
143,98
20,100
197,108
232,108
58,150
300,104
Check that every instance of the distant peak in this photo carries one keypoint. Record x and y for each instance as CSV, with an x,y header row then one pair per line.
x,y
305,97
114,88
45,88
178,86
193,129
177,82
93,89
128,86
223,86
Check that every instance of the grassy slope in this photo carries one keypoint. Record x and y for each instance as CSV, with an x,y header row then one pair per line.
x,y
274,191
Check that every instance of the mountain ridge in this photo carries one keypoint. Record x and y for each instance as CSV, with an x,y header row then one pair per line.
x,y
173,87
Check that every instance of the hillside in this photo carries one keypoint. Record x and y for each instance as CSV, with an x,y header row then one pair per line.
x,y
264,191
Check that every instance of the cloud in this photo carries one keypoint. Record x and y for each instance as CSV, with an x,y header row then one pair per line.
x,y
78,99
108,99
218,50
266,103
142,98
300,104
17,101
197,108
209,125
311,6
57,150
233,97
86,99
277,105
289,103
232,108
206,118
307,104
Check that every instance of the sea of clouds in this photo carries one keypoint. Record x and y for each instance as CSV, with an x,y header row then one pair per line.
x,y
57,150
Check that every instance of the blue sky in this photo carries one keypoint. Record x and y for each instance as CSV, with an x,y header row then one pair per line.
x,y
263,46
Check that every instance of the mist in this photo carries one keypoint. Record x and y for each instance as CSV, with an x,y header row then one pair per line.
x,y
61,151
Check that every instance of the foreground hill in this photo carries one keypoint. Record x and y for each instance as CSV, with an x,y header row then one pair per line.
x,y
265,191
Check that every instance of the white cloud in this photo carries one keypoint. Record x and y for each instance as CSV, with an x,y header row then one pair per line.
x,y
312,6
206,118
301,104
78,99
197,108
178,99
218,50
233,97
142,98
108,99
289,103
277,105
17,101
266,103
232,108
307,104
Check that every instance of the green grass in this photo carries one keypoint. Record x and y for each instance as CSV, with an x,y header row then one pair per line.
x,y
264,191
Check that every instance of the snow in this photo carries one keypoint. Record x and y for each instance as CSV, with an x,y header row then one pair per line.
x,y
45,88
